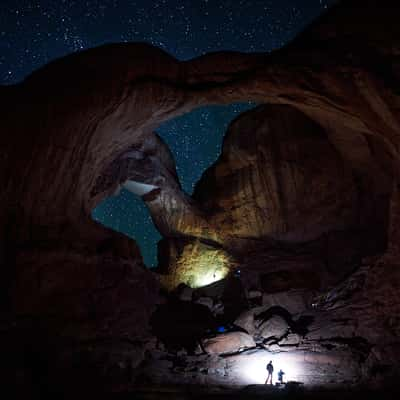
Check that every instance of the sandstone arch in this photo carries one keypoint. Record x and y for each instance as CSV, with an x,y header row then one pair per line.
x,y
65,126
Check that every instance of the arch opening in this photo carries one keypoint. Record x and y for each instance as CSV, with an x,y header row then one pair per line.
x,y
190,144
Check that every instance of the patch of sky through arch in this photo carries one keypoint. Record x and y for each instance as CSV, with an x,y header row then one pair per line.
x,y
195,140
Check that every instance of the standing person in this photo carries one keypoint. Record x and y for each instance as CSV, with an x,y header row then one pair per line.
x,y
270,369
280,376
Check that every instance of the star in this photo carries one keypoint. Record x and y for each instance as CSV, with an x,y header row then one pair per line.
x,y
36,32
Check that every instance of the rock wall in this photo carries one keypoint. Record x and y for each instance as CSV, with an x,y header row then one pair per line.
x,y
281,197
280,178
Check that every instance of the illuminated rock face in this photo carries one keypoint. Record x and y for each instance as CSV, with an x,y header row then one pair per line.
x,y
278,178
275,327
195,264
228,343
76,294
280,199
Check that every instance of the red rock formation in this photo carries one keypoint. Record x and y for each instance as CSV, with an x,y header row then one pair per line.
x,y
72,290
228,343
279,198
280,178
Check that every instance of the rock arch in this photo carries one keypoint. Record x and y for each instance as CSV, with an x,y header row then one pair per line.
x,y
66,124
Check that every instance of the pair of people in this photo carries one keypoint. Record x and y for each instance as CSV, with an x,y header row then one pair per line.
x,y
270,369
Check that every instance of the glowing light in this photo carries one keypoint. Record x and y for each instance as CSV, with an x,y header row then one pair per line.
x,y
254,368
214,275
201,265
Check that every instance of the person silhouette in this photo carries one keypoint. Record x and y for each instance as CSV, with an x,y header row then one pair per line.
x,y
270,369
280,376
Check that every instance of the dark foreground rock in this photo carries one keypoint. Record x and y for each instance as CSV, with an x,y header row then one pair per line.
x,y
259,392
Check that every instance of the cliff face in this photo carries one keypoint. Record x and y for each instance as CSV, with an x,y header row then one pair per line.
x,y
280,177
307,184
281,197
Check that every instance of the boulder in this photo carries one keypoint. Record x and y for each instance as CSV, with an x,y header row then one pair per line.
x,y
246,322
218,308
185,293
205,301
292,339
230,342
276,327
295,301
253,294
181,324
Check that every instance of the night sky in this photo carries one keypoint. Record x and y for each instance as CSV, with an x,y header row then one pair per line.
x,y
32,33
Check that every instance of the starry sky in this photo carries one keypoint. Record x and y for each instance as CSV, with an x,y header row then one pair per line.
x,y
32,33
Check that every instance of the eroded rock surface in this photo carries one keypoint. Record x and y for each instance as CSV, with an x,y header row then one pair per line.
x,y
228,343
283,203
